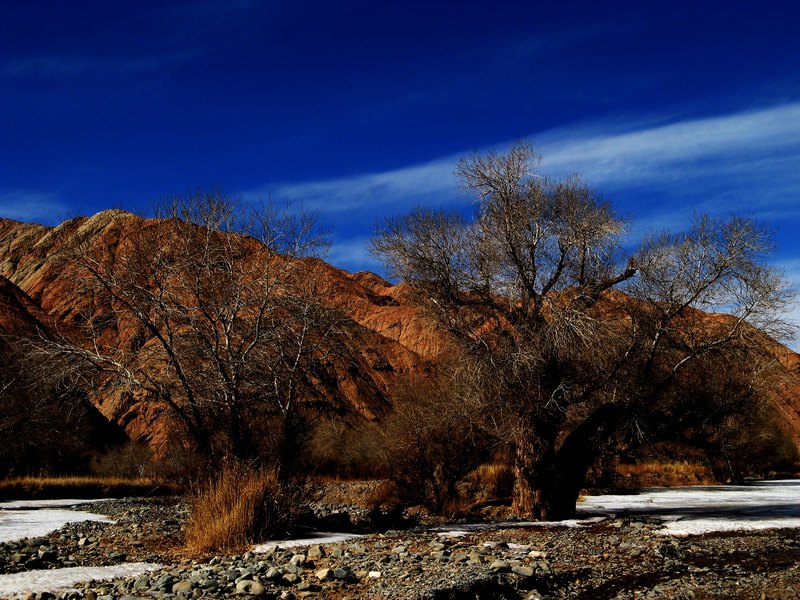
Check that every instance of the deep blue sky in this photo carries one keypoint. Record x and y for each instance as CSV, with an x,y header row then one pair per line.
x,y
360,109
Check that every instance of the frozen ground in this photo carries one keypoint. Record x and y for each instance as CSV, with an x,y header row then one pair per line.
x,y
320,537
36,518
57,580
35,504
705,509
684,511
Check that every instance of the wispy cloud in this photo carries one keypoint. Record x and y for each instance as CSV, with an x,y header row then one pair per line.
x,y
791,269
747,151
722,145
397,189
31,206
746,162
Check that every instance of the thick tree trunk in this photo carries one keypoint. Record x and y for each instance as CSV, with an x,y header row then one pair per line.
x,y
548,484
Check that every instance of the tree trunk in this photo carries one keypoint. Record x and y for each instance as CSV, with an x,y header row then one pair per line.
x,y
548,484
535,478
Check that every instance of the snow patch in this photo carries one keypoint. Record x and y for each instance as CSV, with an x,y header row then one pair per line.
x,y
59,580
320,537
57,503
18,524
706,509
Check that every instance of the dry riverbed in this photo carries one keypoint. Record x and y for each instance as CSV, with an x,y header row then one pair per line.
x,y
627,557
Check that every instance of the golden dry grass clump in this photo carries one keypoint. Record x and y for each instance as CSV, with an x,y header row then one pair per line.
x,y
239,506
79,486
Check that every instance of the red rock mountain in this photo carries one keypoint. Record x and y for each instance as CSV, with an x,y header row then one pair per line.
x,y
387,336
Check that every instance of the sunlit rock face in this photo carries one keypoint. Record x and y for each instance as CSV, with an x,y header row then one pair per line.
x,y
386,336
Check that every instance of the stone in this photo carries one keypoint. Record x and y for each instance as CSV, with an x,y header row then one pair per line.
x,y
298,559
315,552
182,586
164,582
273,573
307,586
292,568
324,574
142,583
374,574
343,573
500,566
248,586
522,570
291,578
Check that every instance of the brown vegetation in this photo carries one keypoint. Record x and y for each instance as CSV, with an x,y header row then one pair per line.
x,y
240,505
579,346
31,487
523,349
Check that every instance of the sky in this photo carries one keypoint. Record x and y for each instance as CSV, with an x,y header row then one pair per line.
x,y
361,110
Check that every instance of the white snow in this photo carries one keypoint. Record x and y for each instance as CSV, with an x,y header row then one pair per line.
x,y
58,580
704,509
36,518
319,537
18,524
58,503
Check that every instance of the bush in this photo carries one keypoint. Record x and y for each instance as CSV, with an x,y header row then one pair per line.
x,y
490,483
432,441
241,505
346,448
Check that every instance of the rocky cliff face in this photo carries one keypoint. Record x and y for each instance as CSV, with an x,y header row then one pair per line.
x,y
385,338
386,335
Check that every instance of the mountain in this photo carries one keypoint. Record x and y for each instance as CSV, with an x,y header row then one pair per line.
x,y
385,336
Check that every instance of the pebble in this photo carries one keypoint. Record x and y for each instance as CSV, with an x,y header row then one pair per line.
x,y
570,563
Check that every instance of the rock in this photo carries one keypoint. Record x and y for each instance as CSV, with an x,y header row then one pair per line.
x,y
306,586
273,573
143,583
324,574
292,568
315,552
522,570
182,586
343,574
500,566
248,586
374,574
291,578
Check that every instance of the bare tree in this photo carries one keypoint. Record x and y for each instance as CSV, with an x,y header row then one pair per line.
x,y
45,425
576,335
207,311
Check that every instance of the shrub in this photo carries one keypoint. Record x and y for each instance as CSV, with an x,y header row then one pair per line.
x,y
240,505
490,482
432,441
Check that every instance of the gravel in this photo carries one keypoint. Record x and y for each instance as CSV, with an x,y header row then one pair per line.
x,y
616,558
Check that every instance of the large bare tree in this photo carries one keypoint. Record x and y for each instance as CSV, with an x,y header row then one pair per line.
x,y
578,340
206,310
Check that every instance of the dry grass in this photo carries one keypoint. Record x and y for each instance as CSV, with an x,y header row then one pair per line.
x,y
678,472
490,481
240,506
77,486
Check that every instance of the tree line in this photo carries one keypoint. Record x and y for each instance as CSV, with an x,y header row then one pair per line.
x,y
569,343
